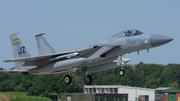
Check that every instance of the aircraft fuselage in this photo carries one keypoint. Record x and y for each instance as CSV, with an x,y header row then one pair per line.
x,y
110,50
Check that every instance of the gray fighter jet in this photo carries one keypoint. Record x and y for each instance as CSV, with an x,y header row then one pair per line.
x,y
105,55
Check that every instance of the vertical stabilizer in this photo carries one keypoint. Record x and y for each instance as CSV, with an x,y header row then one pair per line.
x,y
19,50
43,46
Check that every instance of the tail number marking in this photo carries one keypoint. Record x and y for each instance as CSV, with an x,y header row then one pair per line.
x,y
22,50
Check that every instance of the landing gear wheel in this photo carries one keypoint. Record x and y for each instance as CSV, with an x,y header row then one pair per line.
x,y
121,72
67,79
88,79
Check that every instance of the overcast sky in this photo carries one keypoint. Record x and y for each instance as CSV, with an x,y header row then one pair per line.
x,y
73,24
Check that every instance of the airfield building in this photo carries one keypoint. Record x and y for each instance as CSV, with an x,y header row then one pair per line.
x,y
123,93
134,93
93,97
167,94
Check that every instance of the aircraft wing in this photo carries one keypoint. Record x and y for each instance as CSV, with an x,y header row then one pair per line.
x,y
13,71
34,58
45,59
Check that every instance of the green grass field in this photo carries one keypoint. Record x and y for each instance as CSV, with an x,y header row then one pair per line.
x,y
20,96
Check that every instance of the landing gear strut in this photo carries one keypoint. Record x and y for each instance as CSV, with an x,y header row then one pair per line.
x,y
121,72
120,61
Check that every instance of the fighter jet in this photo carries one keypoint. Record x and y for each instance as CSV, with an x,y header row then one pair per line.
x,y
105,55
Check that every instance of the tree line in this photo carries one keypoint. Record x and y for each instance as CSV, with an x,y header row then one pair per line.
x,y
140,75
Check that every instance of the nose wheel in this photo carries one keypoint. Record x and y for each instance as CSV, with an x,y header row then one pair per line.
x,y
121,72
88,79
67,79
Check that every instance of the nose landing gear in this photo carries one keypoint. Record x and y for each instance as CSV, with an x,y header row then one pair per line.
x,y
120,61
121,72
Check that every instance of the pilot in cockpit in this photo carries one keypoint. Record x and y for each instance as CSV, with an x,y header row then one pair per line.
x,y
128,33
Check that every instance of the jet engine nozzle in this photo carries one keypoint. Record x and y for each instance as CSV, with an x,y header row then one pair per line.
x,y
157,40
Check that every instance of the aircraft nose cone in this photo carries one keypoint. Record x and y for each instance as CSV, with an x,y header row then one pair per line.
x,y
157,40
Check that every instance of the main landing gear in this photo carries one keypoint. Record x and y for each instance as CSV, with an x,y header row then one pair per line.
x,y
87,79
67,79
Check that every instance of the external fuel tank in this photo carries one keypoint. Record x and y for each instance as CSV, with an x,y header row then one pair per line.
x,y
60,65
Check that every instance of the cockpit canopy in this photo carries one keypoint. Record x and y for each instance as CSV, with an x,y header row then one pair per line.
x,y
131,32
